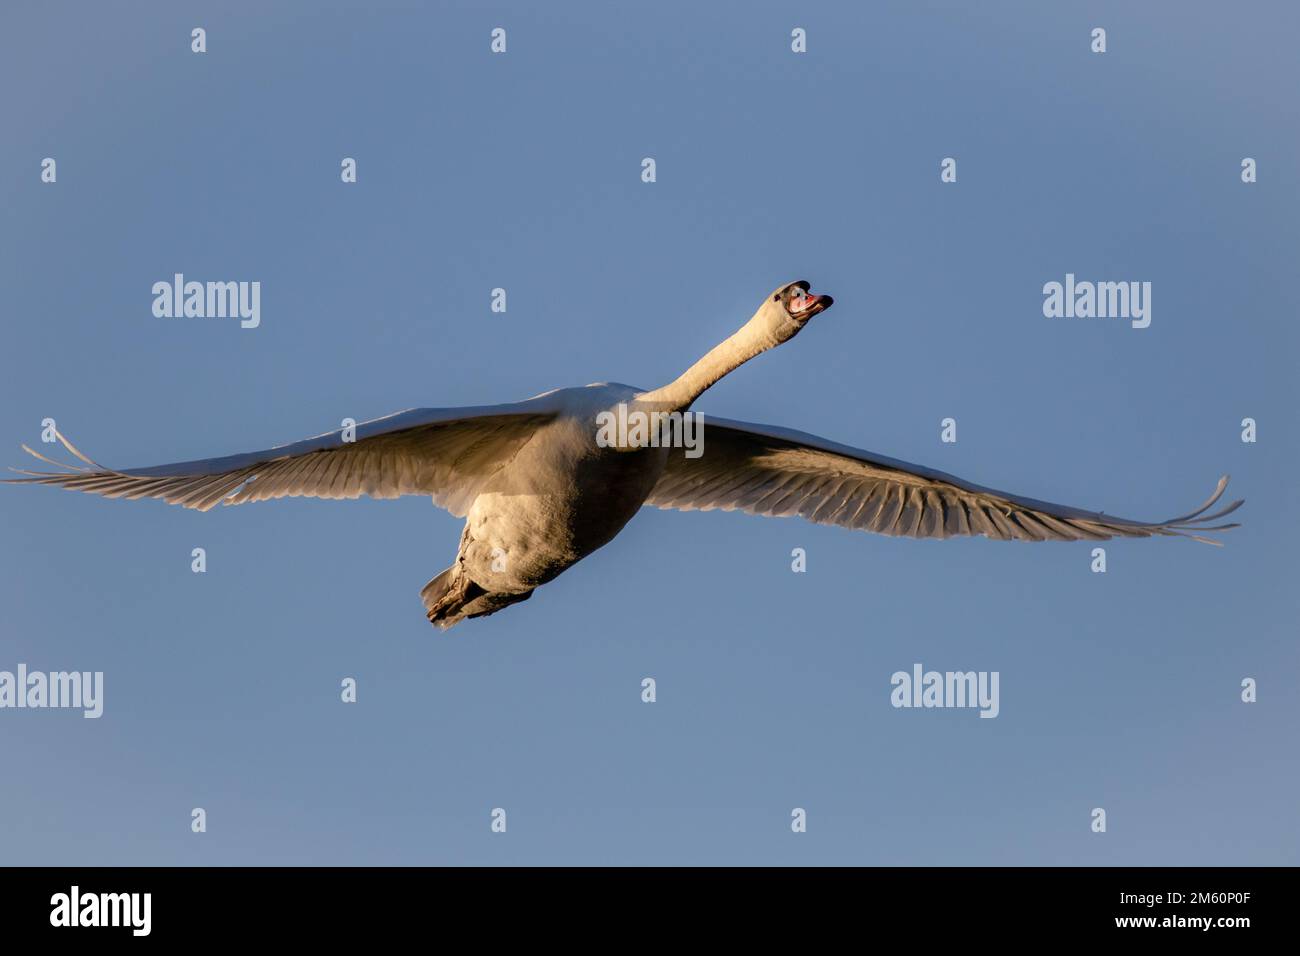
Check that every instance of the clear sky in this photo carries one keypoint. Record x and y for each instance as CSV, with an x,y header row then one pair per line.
x,y
523,171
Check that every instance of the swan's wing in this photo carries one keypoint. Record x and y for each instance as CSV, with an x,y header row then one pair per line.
x,y
779,472
447,453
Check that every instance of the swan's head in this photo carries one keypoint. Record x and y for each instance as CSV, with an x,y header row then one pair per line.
x,y
800,303
789,308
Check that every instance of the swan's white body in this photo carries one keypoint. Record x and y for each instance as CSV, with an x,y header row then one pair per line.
x,y
556,501
540,492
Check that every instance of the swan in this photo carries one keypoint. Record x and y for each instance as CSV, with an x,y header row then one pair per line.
x,y
539,492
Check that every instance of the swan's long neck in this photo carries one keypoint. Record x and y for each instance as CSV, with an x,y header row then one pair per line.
x,y
753,338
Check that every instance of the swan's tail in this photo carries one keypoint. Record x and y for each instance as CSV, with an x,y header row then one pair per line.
x,y
452,597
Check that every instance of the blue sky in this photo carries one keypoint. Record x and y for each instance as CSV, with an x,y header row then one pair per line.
x,y
1118,690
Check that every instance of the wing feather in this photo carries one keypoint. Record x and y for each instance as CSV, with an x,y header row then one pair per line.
x,y
446,453
779,472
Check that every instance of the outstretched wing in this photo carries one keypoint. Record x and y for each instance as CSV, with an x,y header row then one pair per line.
x,y
779,472
447,453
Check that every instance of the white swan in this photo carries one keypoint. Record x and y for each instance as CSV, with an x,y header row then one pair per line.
x,y
540,493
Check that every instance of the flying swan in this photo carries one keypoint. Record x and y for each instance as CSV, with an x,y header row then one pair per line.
x,y
540,492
